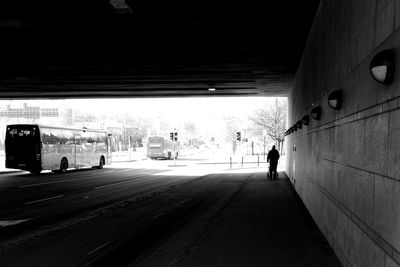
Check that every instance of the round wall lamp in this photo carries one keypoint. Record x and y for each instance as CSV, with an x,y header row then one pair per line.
x,y
306,120
316,113
382,66
335,99
299,124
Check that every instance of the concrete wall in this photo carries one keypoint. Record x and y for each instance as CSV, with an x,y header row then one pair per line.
x,y
346,166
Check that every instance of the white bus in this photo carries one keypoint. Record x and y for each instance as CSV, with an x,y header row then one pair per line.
x,y
35,148
160,147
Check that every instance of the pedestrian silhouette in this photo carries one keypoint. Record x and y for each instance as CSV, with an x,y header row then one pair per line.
x,y
273,157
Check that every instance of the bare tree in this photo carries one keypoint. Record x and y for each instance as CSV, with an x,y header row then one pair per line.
x,y
272,120
232,126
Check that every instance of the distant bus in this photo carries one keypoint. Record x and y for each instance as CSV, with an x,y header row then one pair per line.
x,y
160,148
34,148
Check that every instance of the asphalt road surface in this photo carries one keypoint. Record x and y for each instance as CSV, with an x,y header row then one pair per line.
x,y
191,212
85,217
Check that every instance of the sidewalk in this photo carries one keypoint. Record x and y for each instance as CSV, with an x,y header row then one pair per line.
x,y
123,156
3,168
265,225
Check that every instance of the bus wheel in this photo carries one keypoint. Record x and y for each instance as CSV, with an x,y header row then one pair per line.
x,y
64,165
101,163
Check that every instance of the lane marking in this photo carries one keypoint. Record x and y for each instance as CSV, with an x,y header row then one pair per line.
x,y
41,200
181,203
108,185
156,216
62,181
97,249
12,222
55,182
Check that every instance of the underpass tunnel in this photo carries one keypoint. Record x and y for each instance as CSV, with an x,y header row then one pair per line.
x,y
343,89
343,136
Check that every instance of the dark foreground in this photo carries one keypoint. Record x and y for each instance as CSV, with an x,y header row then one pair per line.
x,y
261,223
225,219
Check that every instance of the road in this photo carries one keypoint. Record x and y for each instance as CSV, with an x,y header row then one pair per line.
x,y
91,217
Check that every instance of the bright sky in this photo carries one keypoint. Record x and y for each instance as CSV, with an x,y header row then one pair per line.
x,y
184,108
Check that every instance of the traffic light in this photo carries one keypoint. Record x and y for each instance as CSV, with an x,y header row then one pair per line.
x,y
238,136
171,136
176,136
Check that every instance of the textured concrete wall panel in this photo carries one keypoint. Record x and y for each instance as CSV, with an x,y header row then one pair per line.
x,y
394,145
364,202
396,216
354,249
376,140
384,20
341,230
367,94
349,194
347,165
350,91
358,144
396,14
389,262
383,208
373,254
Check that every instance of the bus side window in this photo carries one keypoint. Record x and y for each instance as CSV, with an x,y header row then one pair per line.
x,y
90,139
45,136
69,138
85,139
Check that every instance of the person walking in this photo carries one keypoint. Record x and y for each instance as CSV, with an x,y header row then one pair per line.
x,y
272,158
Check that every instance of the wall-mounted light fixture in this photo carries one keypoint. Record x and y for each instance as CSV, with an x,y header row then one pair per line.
x,y
316,113
299,124
335,99
382,66
306,119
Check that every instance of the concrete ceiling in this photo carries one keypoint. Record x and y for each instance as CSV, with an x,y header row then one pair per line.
x,y
142,48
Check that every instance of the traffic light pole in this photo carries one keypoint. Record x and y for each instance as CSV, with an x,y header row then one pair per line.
x,y
175,152
174,138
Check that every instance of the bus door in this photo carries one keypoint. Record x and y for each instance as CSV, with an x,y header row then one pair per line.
x,y
78,150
